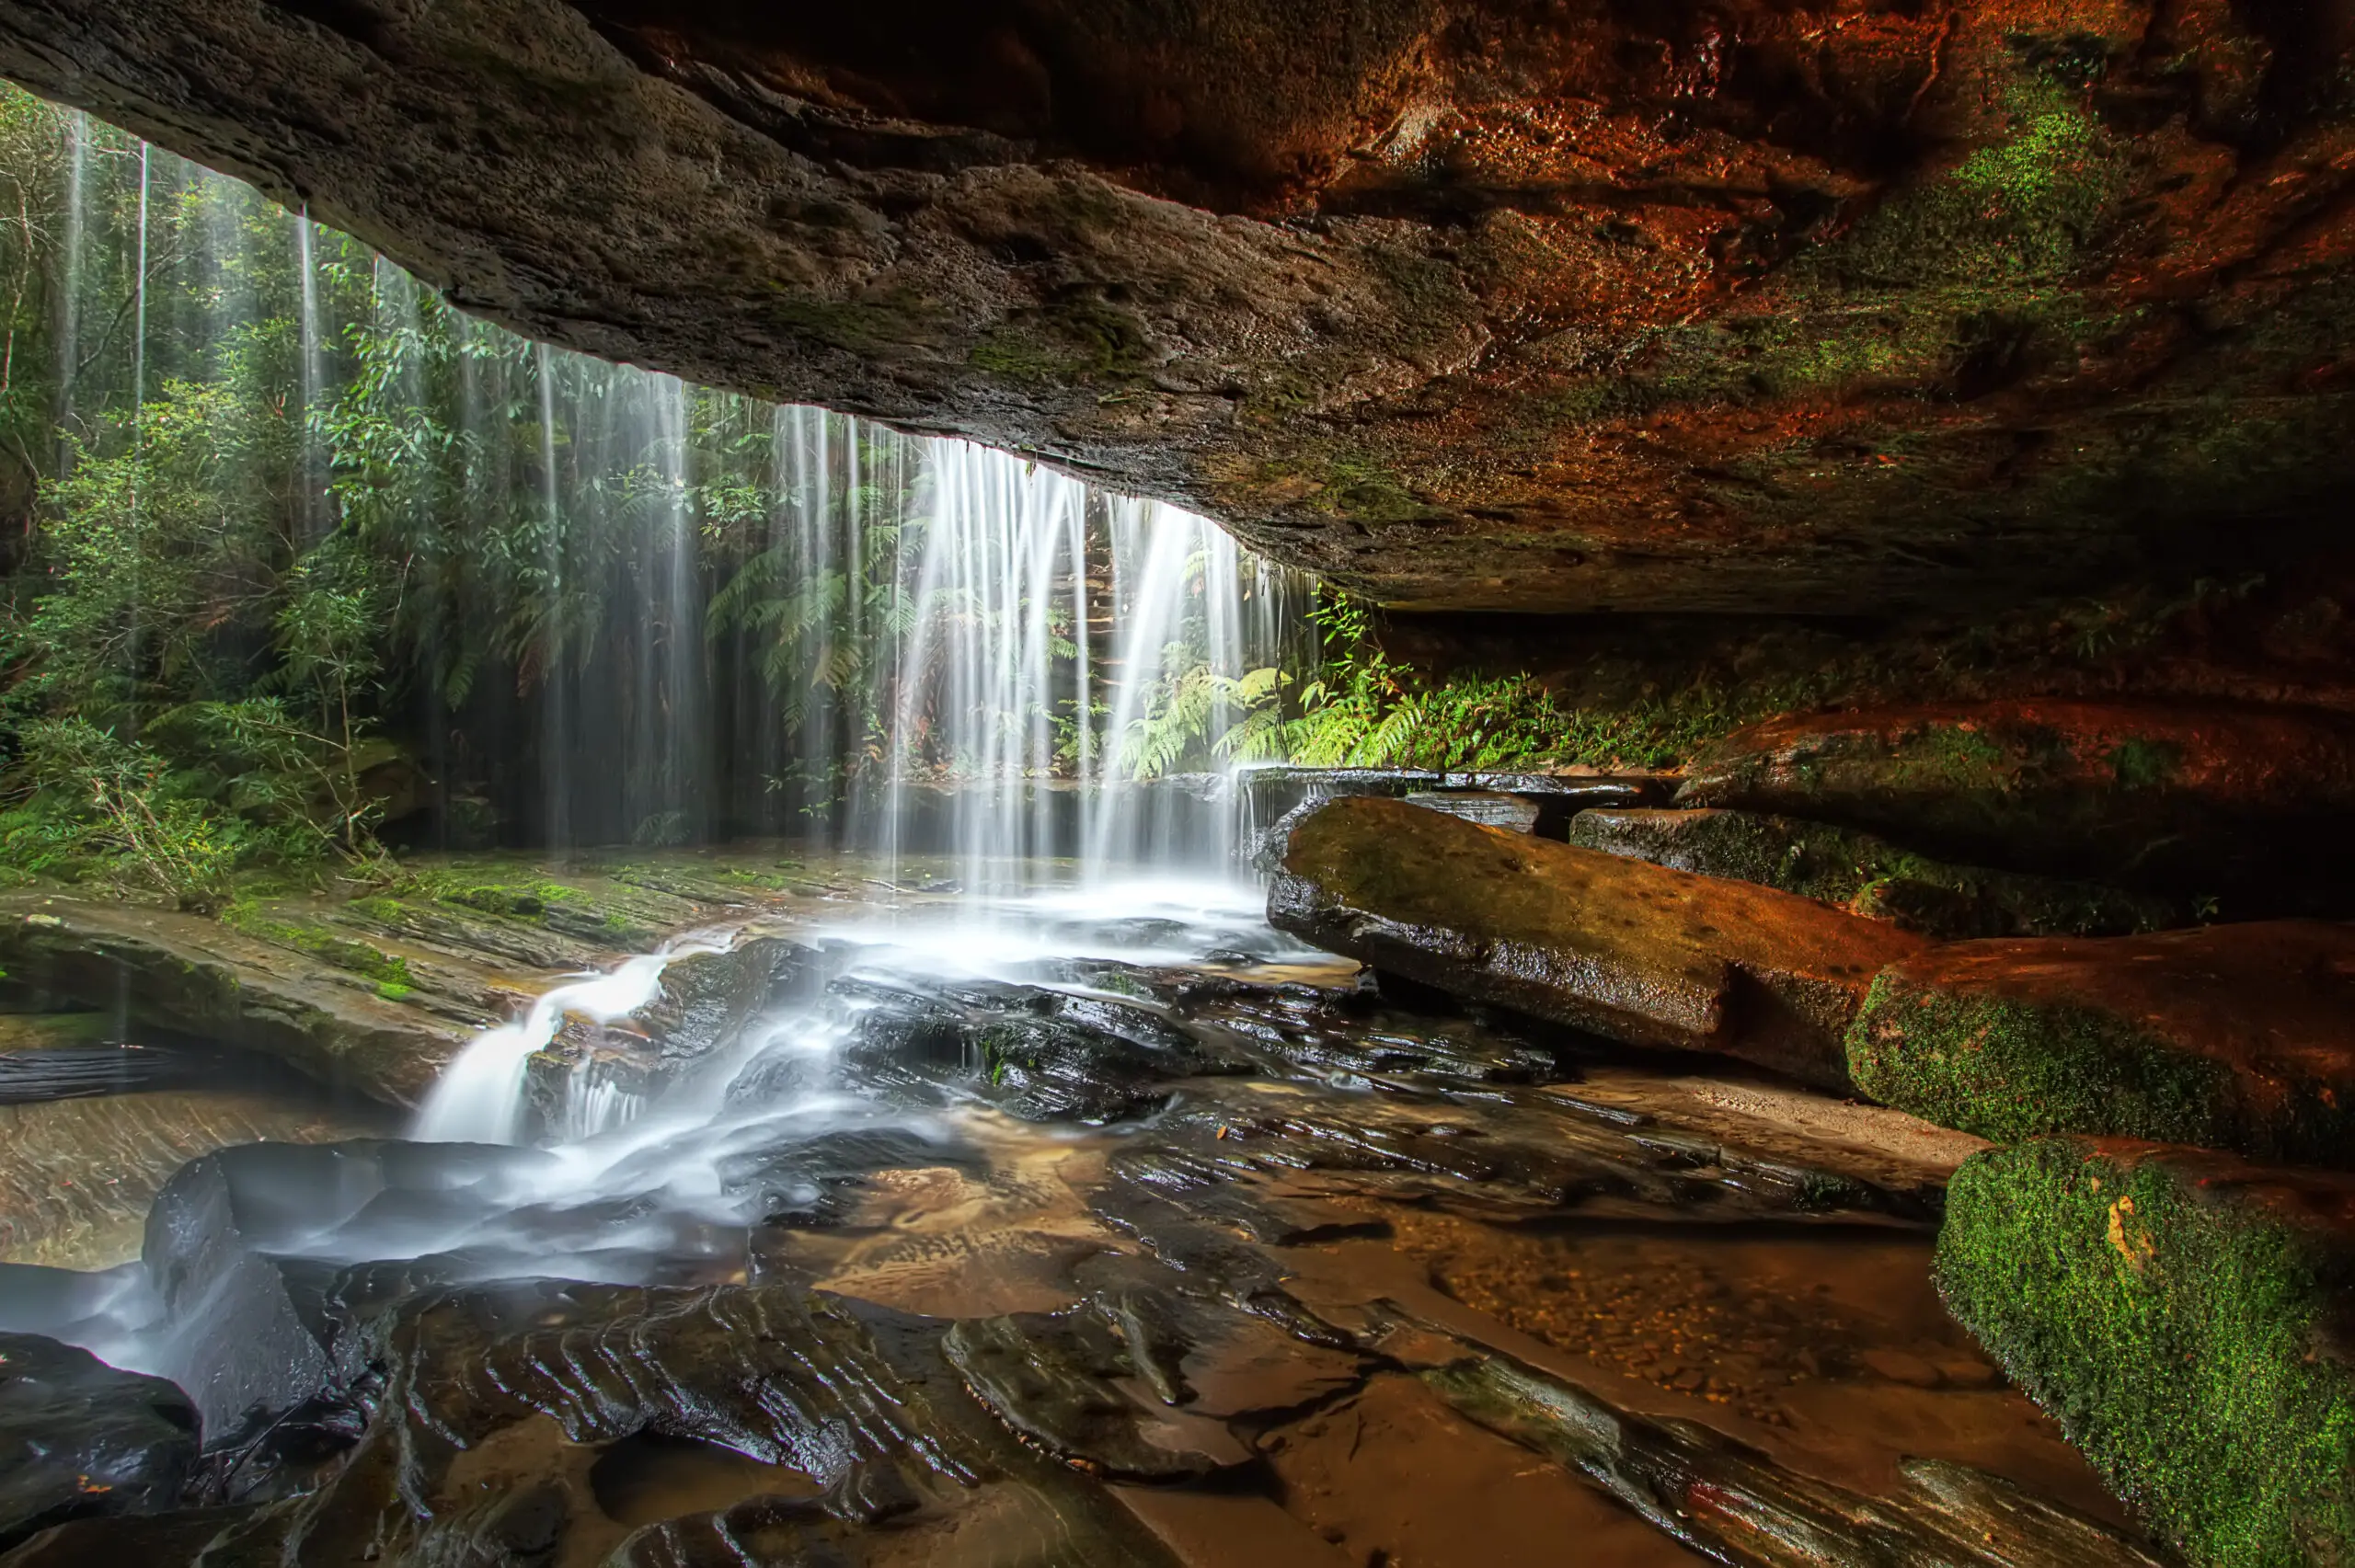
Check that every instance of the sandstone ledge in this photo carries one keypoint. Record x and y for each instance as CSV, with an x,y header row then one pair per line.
x,y
1629,950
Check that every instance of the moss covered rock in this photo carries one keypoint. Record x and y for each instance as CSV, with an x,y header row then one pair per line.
x,y
2253,805
2239,1037
1632,951
1869,875
2184,1316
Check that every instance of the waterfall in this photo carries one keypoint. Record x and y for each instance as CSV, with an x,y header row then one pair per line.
x,y
628,611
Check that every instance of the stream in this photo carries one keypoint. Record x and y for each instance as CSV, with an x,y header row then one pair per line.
x,y
1262,1264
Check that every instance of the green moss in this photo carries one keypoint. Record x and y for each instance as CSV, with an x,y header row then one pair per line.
x,y
2145,764
1078,342
394,990
342,952
2174,1331
2005,1070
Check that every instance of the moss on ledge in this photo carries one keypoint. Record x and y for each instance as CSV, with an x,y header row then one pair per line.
x,y
2182,1315
2007,1069
2231,1036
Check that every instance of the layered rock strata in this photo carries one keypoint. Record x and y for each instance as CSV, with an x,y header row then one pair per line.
x,y
1870,875
2248,806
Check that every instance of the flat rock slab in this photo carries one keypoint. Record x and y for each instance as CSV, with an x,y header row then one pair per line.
x,y
1868,875
1629,950
2234,1036
2184,1315
2255,805
187,973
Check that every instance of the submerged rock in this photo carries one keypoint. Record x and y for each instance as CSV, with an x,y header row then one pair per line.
x,y
1039,1054
1631,950
1870,875
79,1438
2254,805
2185,1317
2234,1036
1055,1379
197,977
1734,1503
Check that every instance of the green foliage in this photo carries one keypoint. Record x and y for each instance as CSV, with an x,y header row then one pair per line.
x,y
1363,709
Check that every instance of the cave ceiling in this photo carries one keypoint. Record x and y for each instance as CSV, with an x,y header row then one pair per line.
x,y
1532,304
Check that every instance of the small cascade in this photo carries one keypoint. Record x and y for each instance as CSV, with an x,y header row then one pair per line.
x,y
479,1096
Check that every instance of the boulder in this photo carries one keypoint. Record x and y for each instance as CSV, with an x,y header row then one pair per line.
x,y
248,1339
1870,875
198,976
2253,805
1631,950
2184,1315
2236,1036
79,1438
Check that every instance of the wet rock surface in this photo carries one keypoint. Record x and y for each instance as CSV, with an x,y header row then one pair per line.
x,y
1629,950
80,1438
2242,804
1869,875
1087,1260
1715,1496
2232,1036
2183,1314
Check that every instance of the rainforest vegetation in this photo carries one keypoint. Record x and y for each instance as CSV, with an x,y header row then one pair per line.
x,y
301,561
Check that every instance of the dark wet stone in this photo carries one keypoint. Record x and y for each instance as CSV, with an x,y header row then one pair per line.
x,y
857,1399
703,1005
240,1334
706,999
1050,1378
1732,1503
1040,1054
79,1438
814,1182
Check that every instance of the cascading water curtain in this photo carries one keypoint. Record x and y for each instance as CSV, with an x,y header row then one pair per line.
x,y
533,598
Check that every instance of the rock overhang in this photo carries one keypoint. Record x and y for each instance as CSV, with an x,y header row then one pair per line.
x,y
1816,309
